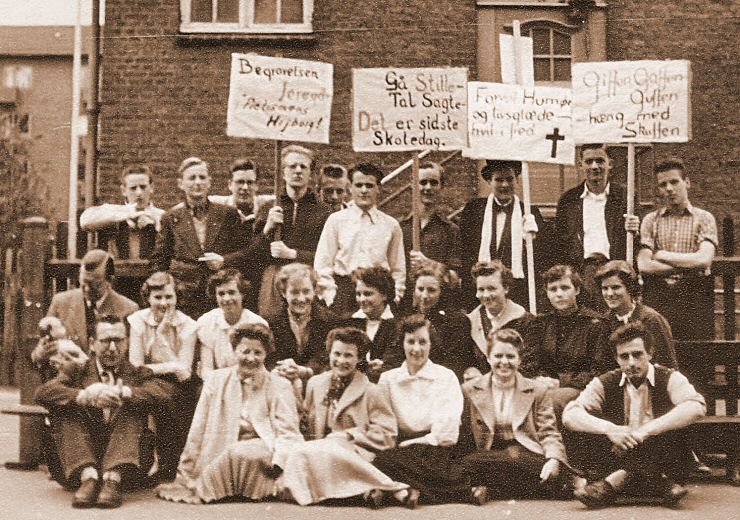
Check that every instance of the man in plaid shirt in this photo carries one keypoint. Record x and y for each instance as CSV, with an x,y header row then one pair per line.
x,y
677,244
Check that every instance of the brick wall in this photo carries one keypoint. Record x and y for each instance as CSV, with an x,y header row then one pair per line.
x,y
165,96
705,32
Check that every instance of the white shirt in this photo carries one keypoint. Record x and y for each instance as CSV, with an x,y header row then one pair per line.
x,y
163,353
213,333
595,239
429,401
354,238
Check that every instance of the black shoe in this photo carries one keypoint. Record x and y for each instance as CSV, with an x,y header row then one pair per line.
x,y
110,495
596,495
673,494
412,499
374,499
86,494
479,495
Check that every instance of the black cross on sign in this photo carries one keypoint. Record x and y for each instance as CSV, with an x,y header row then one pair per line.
x,y
554,137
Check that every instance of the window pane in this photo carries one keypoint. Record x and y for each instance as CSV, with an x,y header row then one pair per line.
x,y
228,11
542,69
201,11
265,11
562,69
292,11
561,43
541,41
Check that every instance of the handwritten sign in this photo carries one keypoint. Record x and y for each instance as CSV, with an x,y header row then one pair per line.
x,y
632,101
279,98
508,59
520,123
409,109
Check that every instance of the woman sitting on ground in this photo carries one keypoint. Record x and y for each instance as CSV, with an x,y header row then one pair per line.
x,y
374,291
215,326
163,338
427,402
349,420
510,425
244,415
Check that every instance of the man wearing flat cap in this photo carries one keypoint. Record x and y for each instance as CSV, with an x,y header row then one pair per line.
x,y
72,313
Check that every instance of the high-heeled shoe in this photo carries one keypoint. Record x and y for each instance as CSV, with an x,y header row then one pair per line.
x,y
411,500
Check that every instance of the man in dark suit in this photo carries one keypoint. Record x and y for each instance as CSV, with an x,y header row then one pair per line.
x,y
98,411
76,310
197,238
493,228
591,217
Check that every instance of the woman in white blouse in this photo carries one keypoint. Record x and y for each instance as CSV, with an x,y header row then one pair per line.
x,y
162,338
215,326
427,402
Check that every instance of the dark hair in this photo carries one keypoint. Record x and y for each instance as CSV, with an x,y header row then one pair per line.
x,y
288,271
155,282
225,276
629,331
258,331
672,163
509,336
431,165
111,319
137,169
592,146
492,267
414,322
333,171
242,164
558,272
378,278
438,271
189,163
352,336
497,165
624,271
94,258
366,169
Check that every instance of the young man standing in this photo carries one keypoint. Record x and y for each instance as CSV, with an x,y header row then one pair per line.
x,y
334,186
635,418
358,236
678,242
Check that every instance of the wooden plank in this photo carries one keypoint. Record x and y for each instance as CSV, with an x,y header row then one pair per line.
x,y
10,302
24,409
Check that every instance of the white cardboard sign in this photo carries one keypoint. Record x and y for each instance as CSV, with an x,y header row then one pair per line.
x,y
520,123
508,62
632,101
402,109
279,98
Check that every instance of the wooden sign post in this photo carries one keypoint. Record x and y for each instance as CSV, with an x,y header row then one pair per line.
x,y
632,102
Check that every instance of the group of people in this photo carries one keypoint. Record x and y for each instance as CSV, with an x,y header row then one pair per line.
x,y
341,362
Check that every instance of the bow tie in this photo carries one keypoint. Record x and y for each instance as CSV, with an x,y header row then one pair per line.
x,y
499,208
199,211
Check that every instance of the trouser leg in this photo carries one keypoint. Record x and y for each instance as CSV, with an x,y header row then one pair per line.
x,y
123,450
75,444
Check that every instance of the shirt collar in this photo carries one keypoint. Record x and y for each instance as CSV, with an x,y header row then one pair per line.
x,y
387,314
628,315
650,376
373,213
600,196
148,318
221,322
102,370
428,371
667,210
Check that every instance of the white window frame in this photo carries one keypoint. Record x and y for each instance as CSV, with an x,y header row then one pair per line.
x,y
246,23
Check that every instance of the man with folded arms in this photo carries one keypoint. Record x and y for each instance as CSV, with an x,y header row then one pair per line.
x,y
636,416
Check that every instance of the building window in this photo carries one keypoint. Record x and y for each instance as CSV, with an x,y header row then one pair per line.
x,y
246,16
552,53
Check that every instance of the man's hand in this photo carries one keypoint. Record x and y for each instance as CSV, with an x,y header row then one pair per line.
x,y
550,470
213,261
278,249
108,397
529,225
632,223
274,218
639,435
623,438
550,382
416,257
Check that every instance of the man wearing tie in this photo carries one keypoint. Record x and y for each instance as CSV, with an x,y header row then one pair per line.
x,y
98,418
494,227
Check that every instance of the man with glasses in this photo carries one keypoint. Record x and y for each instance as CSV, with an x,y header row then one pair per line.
x,y
334,186
440,238
98,417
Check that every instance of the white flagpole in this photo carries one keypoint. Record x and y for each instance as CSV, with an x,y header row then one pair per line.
x,y
74,138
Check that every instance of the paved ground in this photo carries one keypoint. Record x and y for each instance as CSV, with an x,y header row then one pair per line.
x,y
31,495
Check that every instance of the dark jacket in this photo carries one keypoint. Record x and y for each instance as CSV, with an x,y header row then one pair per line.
x,y
440,241
566,242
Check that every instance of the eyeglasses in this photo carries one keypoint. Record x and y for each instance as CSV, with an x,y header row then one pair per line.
x,y
110,341
430,182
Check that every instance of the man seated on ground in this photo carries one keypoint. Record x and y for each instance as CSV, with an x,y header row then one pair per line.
x,y
636,416
76,310
98,410
132,226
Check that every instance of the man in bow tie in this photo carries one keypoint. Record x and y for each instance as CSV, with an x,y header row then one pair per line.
x,y
494,228
98,414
